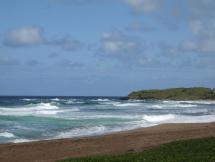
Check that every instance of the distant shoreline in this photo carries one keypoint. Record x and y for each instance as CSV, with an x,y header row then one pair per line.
x,y
115,143
176,94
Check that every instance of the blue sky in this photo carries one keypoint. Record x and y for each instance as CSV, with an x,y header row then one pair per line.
x,y
105,47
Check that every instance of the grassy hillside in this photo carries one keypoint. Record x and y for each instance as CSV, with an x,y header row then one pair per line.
x,y
196,93
195,150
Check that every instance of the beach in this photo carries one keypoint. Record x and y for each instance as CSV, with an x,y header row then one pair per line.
x,y
115,143
94,80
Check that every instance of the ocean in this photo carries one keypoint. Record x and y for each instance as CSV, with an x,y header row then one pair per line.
x,y
24,119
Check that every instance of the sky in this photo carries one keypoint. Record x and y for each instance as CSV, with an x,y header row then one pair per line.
x,y
105,47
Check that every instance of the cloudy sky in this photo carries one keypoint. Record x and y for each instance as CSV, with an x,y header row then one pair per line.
x,y
105,47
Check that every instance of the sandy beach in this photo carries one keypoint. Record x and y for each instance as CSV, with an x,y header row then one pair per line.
x,y
116,143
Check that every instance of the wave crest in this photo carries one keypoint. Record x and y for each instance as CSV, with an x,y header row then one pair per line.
x,y
158,118
85,131
31,109
7,135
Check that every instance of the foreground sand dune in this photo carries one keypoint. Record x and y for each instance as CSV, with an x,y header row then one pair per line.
x,y
116,143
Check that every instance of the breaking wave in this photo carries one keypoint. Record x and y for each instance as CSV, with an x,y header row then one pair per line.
x,y
126,104
7,135
21,140
31,109
158,118
101,100
55,99
27,119
172,118
80,132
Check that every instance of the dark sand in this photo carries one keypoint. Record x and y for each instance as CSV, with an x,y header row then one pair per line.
x,y
116,143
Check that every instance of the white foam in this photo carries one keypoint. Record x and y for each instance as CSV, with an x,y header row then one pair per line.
x,y
157,106
126,104
41,106
204,102
21,140
199,102
179,104
106,116
193,111
85,131
31,109
111,103
72,101
7,135
29,99
184,105
194,119
55,99
101,100
48,112
69,102
168,101
158,118
74,109
171,118
135,100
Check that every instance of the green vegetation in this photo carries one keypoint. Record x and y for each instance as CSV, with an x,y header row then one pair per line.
x,y
196,93
195,150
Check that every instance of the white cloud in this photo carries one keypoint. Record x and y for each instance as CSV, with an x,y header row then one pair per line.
x,y
203,9
25,36
189,45
196,26
116,43
203,38
28,36
143,5
122,47
66,43
71,45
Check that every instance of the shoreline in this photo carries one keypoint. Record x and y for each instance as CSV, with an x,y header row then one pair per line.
x,y
115,143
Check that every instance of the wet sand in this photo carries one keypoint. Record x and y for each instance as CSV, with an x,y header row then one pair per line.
x,y
116,143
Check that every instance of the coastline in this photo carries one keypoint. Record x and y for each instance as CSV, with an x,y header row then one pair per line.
x,y
116,143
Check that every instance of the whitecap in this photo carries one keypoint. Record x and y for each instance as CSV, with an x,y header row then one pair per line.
x,y
80,132
157,106
193,111
179,104
126,104
184,105
194,119
7,135
28,99
74,109
171,118
101,100
199,102
158,118
21,140
169,102
69,102
31,109
204,102
48,112
55,99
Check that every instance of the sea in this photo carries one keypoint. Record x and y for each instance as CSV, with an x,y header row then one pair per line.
x,y
25,119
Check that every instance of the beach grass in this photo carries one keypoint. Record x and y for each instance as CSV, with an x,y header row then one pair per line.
x,y
194,150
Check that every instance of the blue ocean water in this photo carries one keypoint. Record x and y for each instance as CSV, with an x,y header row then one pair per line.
x,y
24,119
